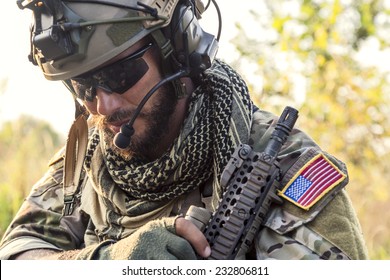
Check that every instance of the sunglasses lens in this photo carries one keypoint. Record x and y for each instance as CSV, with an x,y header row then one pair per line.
x,y
117,77
125,75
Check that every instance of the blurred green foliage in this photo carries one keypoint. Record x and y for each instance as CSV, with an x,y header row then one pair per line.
x,y
26,146
306,54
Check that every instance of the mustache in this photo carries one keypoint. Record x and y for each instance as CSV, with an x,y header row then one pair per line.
x,y
117,116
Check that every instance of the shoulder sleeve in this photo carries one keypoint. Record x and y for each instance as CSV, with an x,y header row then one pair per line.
x,y
39,223
317,215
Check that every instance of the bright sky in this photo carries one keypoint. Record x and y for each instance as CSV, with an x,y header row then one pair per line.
x,y
28,92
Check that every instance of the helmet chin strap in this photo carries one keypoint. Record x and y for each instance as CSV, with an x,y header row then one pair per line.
x,y
79,109
166,50
180,88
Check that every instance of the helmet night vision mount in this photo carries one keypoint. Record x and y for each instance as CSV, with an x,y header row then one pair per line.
x,y
72,37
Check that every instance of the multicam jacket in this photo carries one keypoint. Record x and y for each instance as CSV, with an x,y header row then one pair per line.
x,y
329,229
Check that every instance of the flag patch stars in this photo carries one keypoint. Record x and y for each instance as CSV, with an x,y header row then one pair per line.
x,y
316,178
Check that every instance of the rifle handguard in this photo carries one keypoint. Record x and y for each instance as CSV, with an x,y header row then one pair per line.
x,y
251,181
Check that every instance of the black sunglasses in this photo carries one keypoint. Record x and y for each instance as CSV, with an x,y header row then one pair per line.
x,y
116,77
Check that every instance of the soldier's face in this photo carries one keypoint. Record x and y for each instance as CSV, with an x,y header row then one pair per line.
x,y
111,110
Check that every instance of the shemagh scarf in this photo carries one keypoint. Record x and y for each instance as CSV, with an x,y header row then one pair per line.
x,y
219,118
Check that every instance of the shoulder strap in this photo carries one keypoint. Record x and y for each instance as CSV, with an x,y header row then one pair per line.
x,y
76,147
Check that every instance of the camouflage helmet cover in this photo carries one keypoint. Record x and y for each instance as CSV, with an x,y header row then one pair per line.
x,y
71,37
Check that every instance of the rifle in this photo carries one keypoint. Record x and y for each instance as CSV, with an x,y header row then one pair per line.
x,y
250,181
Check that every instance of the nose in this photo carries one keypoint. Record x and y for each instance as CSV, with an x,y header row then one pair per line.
x,y
107,102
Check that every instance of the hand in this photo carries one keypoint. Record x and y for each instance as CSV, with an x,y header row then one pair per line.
x,y
165,239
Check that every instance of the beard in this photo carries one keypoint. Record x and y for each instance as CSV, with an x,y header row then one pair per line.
x,y
144,147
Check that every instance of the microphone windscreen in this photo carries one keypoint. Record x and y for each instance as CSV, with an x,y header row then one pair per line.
x,y
122,139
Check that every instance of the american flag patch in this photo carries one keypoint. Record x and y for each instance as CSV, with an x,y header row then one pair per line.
x,y
316,178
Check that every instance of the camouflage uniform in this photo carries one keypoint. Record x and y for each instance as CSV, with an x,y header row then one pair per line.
x,y
329,229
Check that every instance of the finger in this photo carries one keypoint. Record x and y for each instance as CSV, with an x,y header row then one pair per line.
x,y
190,232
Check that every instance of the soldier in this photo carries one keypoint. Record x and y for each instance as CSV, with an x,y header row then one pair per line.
x,y
157,120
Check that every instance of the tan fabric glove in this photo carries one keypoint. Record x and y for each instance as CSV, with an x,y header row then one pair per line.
x,y
156,240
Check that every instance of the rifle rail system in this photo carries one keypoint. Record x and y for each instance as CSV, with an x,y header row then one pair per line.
x,y
250,182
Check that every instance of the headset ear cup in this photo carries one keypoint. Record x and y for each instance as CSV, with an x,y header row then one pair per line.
x,y
193,49
185,34
176,32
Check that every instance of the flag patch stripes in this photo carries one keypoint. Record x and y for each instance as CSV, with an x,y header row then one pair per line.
x,y
316,178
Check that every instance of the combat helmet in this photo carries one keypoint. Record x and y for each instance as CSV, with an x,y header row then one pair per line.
x,y
72,37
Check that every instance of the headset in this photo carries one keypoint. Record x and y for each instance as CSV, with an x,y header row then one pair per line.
x,y
59,35
194,49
